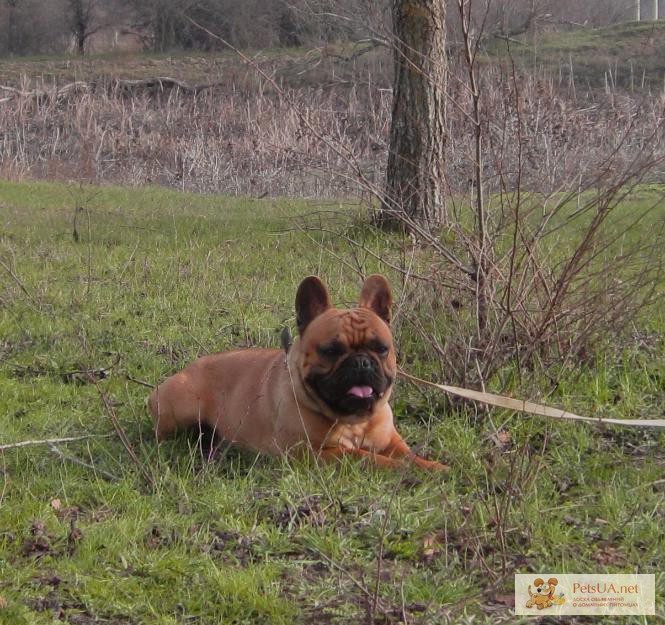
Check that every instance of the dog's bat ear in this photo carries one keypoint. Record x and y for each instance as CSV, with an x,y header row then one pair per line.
x,y
311,300
376,296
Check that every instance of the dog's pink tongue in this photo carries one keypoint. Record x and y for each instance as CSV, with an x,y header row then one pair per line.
x,y
361,391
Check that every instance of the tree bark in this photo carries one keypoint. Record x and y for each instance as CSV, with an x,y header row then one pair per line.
x,y
80,41
415,173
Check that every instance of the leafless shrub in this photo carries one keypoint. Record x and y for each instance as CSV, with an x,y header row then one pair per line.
x,y
542,259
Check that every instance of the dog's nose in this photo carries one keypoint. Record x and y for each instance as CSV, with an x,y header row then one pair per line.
x,y
362,361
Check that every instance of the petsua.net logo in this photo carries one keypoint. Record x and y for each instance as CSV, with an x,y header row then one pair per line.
x,y
600,594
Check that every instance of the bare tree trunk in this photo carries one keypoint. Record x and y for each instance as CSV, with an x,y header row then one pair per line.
x,y
12,28
655,10
80,41
82,22
638,10
415,173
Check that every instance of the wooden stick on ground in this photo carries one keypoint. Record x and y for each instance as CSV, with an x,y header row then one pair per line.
x,y
49,441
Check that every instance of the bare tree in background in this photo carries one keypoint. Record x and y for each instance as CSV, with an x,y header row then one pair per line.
x,y
32,27
12,28
83,21
163,24
415,173
160,23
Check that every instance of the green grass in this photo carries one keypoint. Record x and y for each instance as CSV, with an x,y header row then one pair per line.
x,y
157,278
627,55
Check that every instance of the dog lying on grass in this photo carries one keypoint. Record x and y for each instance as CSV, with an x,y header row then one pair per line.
x,y
329,393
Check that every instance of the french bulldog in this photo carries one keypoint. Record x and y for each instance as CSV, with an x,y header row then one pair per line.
x,y
328,393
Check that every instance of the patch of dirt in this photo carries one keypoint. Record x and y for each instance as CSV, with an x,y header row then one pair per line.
x,y
231,544
39,543
634,442
67,513
11,347
310,510
176,353
159,537
218,543
56,598
74,537
607,554
50,601
49,579
6,348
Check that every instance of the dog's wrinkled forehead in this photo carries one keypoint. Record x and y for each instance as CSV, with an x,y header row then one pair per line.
x,y
358,326
355,327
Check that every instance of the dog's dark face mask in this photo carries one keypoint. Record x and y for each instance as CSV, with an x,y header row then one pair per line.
x,y
353,385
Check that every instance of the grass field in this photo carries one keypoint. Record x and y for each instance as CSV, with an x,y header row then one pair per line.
x,y
626,55
154,278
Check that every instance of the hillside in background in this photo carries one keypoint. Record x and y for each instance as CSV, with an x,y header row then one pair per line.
x,y
629,55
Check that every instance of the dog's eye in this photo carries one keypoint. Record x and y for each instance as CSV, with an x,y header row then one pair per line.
x,y
333,350
381,349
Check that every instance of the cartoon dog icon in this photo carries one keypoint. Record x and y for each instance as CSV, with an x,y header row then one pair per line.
x,y
544,595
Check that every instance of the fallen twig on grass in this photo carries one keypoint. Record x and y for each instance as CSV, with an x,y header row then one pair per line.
x,y
121,433
32,302
370,596
67,376
50,441
117,426
66,457
137,381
